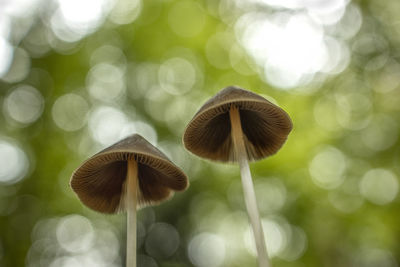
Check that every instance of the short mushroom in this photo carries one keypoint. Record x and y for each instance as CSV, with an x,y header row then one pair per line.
x,y
126,176
236,126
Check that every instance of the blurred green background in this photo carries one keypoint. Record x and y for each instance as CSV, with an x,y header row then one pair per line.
x,y
77,76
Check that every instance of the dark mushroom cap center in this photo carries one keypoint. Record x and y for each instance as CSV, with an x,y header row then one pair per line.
x,y
265,127
99,182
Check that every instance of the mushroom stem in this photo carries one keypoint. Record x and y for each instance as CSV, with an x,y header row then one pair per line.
x,y
248,187
131,204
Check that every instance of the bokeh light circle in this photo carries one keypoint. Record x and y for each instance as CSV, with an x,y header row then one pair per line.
x,y
146,261
177,76
271,194
69,112
106,82
275,235
14,163
106,124
24,104
162,240
75,233
19,68
6,55
207,250
74,19
126,11
297,245
381,133
328,167
380,186
371,257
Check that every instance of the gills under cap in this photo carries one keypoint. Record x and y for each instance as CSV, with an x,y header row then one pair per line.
x,y
265,126
99,181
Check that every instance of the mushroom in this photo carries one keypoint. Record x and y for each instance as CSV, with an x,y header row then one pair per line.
x,y
126,176
237,126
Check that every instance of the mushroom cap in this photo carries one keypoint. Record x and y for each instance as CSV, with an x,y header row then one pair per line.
x,y
100,181
265,126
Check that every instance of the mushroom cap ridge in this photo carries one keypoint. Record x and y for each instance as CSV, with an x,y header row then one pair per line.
x,y
99,182
265,126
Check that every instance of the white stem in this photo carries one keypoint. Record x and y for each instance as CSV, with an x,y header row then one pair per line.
x,y
131,203
248,187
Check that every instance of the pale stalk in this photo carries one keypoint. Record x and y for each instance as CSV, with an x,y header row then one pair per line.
x,y
131,204
248,187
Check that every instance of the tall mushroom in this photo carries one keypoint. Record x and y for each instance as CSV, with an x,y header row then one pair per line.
x,y
126,176
236,126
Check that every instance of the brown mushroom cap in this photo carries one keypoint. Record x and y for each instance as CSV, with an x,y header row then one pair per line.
x,y
99,181
265,126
